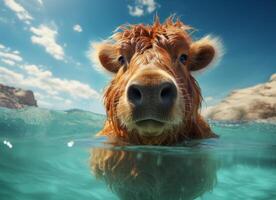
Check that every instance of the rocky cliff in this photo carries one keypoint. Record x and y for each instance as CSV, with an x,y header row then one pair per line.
x,y
11,97
253,103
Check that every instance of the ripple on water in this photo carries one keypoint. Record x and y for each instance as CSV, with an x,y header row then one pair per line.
x,y
46,154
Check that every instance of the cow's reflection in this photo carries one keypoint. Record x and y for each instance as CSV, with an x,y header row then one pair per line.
x,y
135,175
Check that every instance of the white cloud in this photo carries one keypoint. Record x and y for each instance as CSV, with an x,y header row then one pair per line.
x,y
10,77
141,7
42,35
35,71
40,2
135,11
53,92
16,52
11,56
52,101
44,80
208,98
46,37
77,28
7,61
20,11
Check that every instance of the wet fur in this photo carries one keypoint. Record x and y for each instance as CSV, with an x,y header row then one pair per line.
x,y
148,176
157,45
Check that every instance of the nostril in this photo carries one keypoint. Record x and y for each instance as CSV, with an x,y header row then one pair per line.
x,y
168,93
134,94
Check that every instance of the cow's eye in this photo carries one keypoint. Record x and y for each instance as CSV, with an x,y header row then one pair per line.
x,y
183,58
122,60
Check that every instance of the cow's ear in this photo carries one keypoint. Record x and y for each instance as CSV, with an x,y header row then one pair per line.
x,y
107,55
204,52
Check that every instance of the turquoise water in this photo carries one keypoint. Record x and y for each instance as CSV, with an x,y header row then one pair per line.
x,y
48,154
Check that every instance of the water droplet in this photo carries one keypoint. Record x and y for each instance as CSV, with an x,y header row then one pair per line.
x,y
6,142
70,144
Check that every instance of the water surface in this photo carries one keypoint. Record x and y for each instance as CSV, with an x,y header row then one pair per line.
x,y
51,155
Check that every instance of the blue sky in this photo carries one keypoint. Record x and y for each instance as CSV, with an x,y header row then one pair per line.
x,y
44,44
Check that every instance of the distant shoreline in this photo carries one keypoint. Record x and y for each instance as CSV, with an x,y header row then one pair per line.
x,y
16,98
253,103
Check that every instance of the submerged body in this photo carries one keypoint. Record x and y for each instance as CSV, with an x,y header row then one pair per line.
x,y
154,100
151,176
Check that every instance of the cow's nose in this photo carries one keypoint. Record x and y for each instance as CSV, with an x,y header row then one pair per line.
x,y
162,95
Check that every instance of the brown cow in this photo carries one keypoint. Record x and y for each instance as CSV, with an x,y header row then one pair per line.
x,y
153,98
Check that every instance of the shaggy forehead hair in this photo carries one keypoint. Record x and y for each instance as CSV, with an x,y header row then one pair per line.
x,y
142,37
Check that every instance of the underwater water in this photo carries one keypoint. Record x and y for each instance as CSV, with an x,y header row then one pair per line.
x,y
48,154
